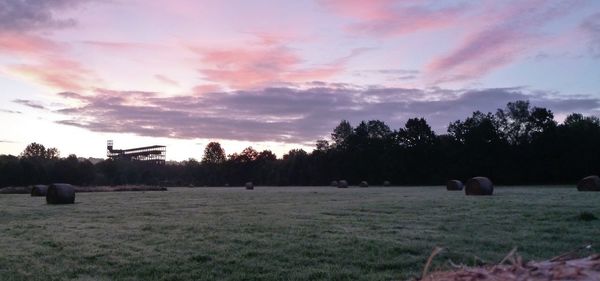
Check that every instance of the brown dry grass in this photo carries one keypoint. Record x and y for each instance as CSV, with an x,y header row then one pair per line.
x,y
564,267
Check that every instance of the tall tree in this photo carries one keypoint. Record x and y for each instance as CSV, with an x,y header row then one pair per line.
x,y
416,132
341,133
52,153
513,121
519,123
322,145
249,154
295,153
266,155
479,129
577,120
213,153
542,120
378,129
36,150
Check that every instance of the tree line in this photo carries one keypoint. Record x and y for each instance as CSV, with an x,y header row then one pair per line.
x,y
518,144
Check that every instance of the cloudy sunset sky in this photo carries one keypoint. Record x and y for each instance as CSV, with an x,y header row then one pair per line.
x,y
279,74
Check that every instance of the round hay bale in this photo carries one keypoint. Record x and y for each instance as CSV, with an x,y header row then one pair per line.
x,y
454,185
589,183
363,184
342,184
60,193
479,186
333,183
387,183
249,185
39,190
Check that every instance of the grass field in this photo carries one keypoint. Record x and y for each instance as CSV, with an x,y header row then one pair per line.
x,y
287,233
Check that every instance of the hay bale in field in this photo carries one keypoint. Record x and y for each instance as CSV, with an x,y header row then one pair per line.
x,y
589,183
363,184
249,185
333,183
387,183
479,186
39,190
454,185
342,184
60,193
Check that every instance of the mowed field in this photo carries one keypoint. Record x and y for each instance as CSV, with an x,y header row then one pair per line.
x,y
285,233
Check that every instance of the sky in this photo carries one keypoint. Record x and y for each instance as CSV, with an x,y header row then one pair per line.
x,y
279,75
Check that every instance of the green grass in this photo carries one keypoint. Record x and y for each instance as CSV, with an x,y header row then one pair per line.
x,y
288,233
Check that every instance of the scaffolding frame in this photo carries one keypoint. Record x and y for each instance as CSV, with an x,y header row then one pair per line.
x,y
154,154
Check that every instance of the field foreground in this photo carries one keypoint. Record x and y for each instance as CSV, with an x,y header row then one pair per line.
x,y
285,233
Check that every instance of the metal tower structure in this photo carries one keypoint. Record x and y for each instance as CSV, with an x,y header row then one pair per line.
x,y
155,153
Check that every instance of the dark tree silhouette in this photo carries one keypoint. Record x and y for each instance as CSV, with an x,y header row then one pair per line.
x,y
249,154
322,145
519,123
341,133
518,144
36,150
266,155
416,132
378,129
213,153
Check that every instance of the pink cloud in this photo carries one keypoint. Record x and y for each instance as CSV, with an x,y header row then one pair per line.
x,y
24,30
259,65
495,32
388,17
510,32
480,53
12,43
209,88
363,10
43,60
243,67
591,28
166,80
118,46
59,73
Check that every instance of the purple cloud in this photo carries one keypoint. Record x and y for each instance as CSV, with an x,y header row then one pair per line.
x,y
10,111
507,34
30,103
292,115
393,18
592,27
23,15
389,74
